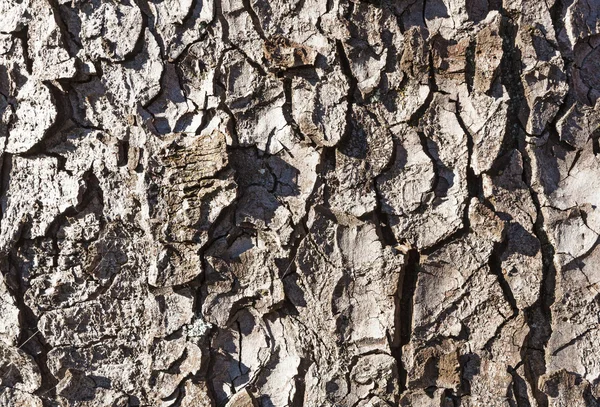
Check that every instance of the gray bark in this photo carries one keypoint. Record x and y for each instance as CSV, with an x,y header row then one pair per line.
x,y
248,203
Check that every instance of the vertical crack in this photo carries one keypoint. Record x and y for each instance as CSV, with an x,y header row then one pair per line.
x,y
30,339
347,71
518,388
224,24
255,20
5,170
23,35
538,316
495,265
404,317
510,77
470,66
240,342
299,379
474,182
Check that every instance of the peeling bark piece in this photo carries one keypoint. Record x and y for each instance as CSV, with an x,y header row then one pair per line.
x,y
180,23
191,160
240,353
196,72
49,192
114,364
359,160
574,330
75,385
191,195
270,129
365,50
441,284
117,320
186,361
243,273
421,398
297,22
240,28
101,395
119,357
585,80
569,232
82,150
574,310
566,388
571,223
353,241
51,60
543,77
406,186
94,108
320,106
281,53
242,399
573,183
434,366
436,204
496,378
449,61
14,15
362,318
64,327
258,209
578,125
34,115
172,111
295,173
196,395
581,20
520,255
14,60
408,83
488,53
137,81
283,374
485,119
9,325
544,90
375,376
11,397
6,115
105,30
105,164
175,263
62,282
444,16
446,317
19,370
122,370
256,101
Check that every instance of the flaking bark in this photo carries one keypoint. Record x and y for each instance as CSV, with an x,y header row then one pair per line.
x,y
246,203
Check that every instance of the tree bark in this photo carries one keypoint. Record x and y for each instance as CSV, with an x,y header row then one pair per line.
x,y
359,203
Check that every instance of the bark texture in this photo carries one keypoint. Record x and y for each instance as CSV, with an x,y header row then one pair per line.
x,y
244,203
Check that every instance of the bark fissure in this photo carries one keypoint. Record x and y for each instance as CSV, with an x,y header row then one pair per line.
x,y
251,203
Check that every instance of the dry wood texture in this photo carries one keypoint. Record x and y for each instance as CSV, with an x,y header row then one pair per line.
x,y
273,203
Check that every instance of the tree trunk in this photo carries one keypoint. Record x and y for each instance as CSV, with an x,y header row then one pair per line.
x,y
356,203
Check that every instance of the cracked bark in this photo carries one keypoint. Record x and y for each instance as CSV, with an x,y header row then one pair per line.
x,y
339,203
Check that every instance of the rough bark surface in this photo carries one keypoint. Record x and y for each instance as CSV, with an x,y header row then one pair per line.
x,y
246,203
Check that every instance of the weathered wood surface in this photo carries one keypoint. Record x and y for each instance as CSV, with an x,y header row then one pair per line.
x,y
238,203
